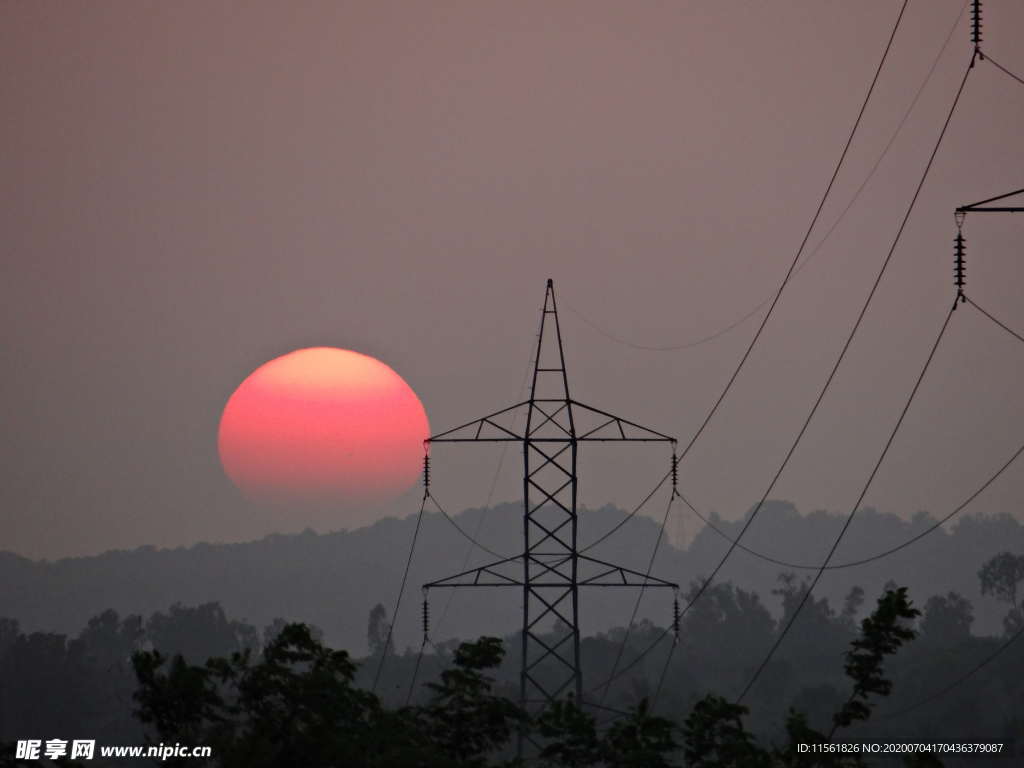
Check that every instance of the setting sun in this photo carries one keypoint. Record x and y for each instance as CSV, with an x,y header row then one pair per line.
x,y
323,425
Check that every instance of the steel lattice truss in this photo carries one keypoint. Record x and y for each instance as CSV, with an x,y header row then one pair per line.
x,y
550,569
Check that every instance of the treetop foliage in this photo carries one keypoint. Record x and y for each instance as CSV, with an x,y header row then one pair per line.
x,y
296,705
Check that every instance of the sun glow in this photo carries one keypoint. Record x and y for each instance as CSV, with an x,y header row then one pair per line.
x,y
323,425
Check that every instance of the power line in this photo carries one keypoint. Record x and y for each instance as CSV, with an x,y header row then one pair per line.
x,y
906,543
853,511
416,671
490,495
764,321
803,243
674,347
960,680
640,594
732,379
461,530
401,591
856,196
473,543
639,657
938,524
1004,69
628,517
846,345
995,320
880,555
778,294
419,658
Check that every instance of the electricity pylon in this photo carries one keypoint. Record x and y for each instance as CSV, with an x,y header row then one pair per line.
x,y
551,568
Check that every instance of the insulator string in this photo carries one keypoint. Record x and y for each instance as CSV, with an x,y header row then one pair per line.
x,y
675,615
959,266
426,618
976,29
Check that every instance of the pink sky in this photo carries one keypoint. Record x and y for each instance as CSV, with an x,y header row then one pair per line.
x,y
191,189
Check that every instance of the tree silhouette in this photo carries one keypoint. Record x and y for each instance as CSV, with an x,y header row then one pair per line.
x,y
852,603
947,619
715,736
276,627
378,632
883,633
295,707
199,632
570,738
1000,577
464,720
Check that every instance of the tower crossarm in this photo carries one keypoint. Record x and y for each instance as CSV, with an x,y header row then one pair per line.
x,y
983,205
604,574
611,575
592,425
489,575
611,428
487,429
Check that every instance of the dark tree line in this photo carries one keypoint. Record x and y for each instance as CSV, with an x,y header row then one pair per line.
x,y
195,676
296,704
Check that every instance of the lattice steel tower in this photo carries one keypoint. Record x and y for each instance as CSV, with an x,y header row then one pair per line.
x,y
551,568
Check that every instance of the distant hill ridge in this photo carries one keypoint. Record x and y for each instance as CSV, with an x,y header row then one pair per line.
x,y
334,579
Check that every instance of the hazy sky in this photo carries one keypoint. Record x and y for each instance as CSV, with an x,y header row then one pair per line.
x,y
190,189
